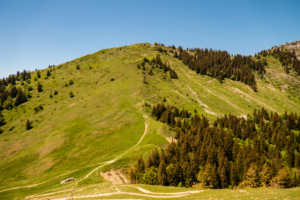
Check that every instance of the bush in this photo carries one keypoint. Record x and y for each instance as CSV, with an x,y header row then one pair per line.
x,y
55,92
71,94
77,67
51,96
71,82
1,131
29,88
11,128
28,95
38,108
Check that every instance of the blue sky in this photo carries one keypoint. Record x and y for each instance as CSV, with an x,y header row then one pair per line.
x,y
34,33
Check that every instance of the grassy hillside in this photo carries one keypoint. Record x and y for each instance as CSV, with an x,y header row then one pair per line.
x,y
72,136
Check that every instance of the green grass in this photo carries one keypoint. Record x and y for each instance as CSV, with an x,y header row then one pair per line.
x,y
104,120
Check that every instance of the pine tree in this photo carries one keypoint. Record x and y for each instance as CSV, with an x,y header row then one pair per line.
x,y
265,175
252,179
162,176
28,125
2,121
39,87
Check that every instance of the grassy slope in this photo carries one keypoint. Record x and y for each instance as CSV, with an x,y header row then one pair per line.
x,y
104,119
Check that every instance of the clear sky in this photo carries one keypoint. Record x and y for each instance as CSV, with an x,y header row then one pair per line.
x,y
35,33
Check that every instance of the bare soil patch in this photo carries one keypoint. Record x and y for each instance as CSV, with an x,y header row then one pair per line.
x,y
114,176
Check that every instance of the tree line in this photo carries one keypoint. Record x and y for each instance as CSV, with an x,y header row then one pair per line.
x,y
220,65
288,59
261,150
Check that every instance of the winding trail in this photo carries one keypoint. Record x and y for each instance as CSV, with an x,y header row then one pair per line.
x,y
29,186
173,193
120,193
112,161
105,163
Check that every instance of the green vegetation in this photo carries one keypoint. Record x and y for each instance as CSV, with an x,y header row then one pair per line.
x,y
71,137
229,152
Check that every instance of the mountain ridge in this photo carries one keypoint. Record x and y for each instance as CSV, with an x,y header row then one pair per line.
x,y
105,115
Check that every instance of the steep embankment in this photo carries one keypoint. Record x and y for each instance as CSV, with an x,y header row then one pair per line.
x,y
104,119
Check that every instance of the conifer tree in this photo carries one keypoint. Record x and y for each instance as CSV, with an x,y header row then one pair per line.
x,y
252,179
2,121
39,87
28,125
162,175
265,175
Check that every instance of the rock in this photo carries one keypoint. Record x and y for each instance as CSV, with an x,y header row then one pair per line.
x,y
67,180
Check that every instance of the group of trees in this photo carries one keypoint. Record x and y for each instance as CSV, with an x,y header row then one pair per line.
x,y
11,96
2,121
220,65
286,58
261,150
157,63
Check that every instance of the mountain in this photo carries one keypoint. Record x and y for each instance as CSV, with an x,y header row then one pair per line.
x,y
93,113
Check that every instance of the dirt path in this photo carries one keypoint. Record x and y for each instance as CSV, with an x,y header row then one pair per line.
x,y
174,193
112,161
108,162
105,163
29,186
120,193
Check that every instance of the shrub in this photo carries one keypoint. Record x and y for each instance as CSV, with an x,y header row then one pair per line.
x,y
51,96
28,95
77,67
29,88
38,108
1,131
71,82
71,94
55,92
